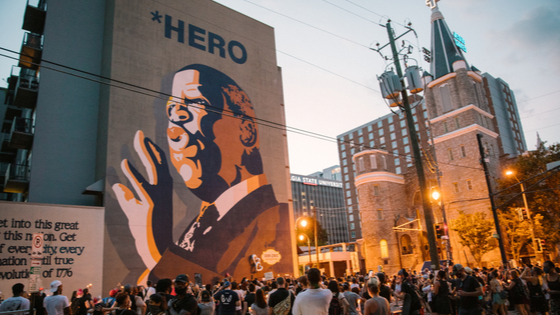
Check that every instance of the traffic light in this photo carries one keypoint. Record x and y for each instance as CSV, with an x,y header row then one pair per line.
x,y
522,213
439,230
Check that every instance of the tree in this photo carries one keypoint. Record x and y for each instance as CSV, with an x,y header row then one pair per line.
x,y
542,199
518,231
474,231
322,235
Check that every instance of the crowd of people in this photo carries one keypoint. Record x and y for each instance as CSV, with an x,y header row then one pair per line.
x,y
457,290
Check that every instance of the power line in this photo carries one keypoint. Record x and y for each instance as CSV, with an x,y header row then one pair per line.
x,y
307,24
343,9
163,96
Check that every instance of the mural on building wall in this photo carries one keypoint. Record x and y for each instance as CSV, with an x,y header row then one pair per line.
x,y
213,145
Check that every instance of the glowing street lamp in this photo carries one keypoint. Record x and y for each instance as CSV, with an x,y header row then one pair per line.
x,y
435,195
302,237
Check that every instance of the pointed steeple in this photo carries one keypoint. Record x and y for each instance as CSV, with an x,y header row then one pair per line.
x,y
444,50
539,141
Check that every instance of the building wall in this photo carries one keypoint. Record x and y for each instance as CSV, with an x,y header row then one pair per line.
x,y
326,197
64,148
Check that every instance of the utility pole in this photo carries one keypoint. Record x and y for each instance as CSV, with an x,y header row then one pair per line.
x,y
492,204
426,204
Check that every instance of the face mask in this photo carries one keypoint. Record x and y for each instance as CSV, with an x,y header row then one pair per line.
x,y
181,291
546,269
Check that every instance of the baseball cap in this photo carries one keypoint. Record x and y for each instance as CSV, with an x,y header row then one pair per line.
x,y
468,270
54,285
182,278
226,284
205,296
456,268
113,292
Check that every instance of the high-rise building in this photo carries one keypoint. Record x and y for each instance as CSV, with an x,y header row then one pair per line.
x,y
380,181
332,172
316,195
152,111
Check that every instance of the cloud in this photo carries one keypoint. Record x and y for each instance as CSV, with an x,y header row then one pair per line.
x,y
533,38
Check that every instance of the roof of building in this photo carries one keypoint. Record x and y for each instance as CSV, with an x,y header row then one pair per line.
x,y
444,50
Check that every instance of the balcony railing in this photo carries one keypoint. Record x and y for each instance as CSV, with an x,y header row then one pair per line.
x,y
35,14
17,178
31,51
21,134
27,88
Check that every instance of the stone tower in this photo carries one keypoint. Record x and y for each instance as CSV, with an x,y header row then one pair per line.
x,y
383,201
458,111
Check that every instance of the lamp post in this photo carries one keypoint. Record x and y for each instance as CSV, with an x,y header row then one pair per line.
x,y
534,240
304,222
301,238
435,196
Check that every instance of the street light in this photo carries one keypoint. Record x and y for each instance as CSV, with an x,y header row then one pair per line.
x,y
534,240
435,197
304,222
301,238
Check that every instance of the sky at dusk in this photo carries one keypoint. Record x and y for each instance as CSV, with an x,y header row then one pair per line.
x,y
329,71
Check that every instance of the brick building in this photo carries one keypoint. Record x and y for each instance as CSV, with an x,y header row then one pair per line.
x,y
379,178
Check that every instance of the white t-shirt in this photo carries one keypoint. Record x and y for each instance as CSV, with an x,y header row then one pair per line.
x,y
15,303
241,295
55,304
312,301
148,293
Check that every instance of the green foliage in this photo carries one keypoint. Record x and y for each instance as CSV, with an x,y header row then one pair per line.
x,y
474,231
322,235
519,231
544,198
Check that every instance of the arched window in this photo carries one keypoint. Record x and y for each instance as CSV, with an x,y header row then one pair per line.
x,y
406,245
384,249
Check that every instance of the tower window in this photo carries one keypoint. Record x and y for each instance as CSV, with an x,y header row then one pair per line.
x,y
469,184
361,164
379,214
445,127
373,161
376,191
384,249
384,162
446,98
456,187
463,151
450,154
457,126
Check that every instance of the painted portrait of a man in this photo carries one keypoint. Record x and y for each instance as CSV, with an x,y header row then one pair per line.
x,y
213,144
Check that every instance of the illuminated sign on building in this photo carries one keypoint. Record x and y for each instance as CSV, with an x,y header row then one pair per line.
x,y
459,42
315,181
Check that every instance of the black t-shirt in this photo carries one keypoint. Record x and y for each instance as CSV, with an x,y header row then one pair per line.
x,y
227,299
280,295
188,303
385,292
469,284
250,299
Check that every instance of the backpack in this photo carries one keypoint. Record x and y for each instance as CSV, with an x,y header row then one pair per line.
x,y
335,308
179,304
283,308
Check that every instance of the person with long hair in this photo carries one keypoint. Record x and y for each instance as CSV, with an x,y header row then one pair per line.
x,y
442,302
334,288
537,300
496,286
377,305
516,289
259,307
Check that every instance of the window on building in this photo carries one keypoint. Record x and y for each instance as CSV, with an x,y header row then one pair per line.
x,y
416,127
384,249
397,161
370,136
348,193
394,144
372,144
360,132
455,187
407,149
409,160
342,147
406,244
469,184
398,170
445,128
450,154
352,226
345,169
404,132
425,115
349,201
380,124
361,140
353,234
343,154
390,120
369,128
381,132
350,210
446,98
403,123
393,136
373,161
391,128
379,214
346,177
413,110
351,218
376,190
351,136
347,185
415,118
457,125
384,159
352,150
361,164
463,151
344,162
382,140
405,140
